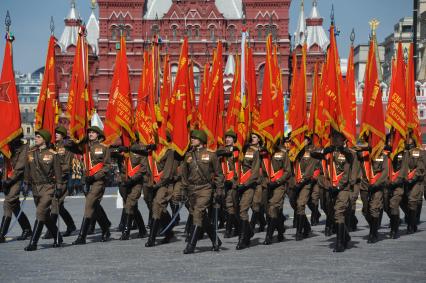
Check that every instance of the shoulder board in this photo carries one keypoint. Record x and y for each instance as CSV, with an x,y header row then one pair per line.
x,y
53,151
211,150
33,148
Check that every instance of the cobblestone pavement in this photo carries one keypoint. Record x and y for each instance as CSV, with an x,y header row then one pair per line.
x,y
400,260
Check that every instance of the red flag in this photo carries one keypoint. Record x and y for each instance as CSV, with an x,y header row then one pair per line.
x,y
80,102
203,94
178,107
145,119
372,125
347,103
396,117
9,104
272,99
235,114
251,94
412,116
47,112
332,91
212,114
119,114
314,107
164,105
298,109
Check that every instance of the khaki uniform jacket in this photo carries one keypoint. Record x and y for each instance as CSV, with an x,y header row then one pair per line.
x,y
280,160
17,161
208,170
43,167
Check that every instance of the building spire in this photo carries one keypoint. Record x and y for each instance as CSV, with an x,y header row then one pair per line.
x,y
299,35
93,6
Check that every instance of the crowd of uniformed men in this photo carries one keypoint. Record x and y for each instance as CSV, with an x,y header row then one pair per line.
x,y
218,188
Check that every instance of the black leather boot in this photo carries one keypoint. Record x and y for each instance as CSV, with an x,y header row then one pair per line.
x,y
394,226
340,232
193,238
81,239
299,229
122,223
353,221
66,216
280,227
373,237
211,233
153,233
140,223
92,226
188,227
25,225
57,237
48,234
5,223
38,228
125,235
412,222
262,220
254,219
168,234
244,239
230,223
306,227
270,231
419,212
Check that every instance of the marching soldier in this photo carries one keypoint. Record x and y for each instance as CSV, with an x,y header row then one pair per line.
x,y
133,176
65,157
98,163
163,173
397,175
13,174
229,157
280,174
200,173
414,182
306,170
248,180
339,162
260,193
375,178
43,173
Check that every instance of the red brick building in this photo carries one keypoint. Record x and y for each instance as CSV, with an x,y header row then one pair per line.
x,y
203,21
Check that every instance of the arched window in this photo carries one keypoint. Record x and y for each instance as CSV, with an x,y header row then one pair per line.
x,y
259,33
211,31
231,33
197,32
114,33
275,32
155,30
173,72
174,33
189,31
128,30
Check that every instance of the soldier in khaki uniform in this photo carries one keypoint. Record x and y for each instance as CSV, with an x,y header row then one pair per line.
x,y
260,193
229,158
397,175
164,172
133,176
43,173
13,174
65,156
305,169
414,182
375,174
200,172
339,162
98,166
280,174
248,180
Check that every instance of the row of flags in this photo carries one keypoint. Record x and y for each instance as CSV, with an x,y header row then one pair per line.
x,y
165,113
